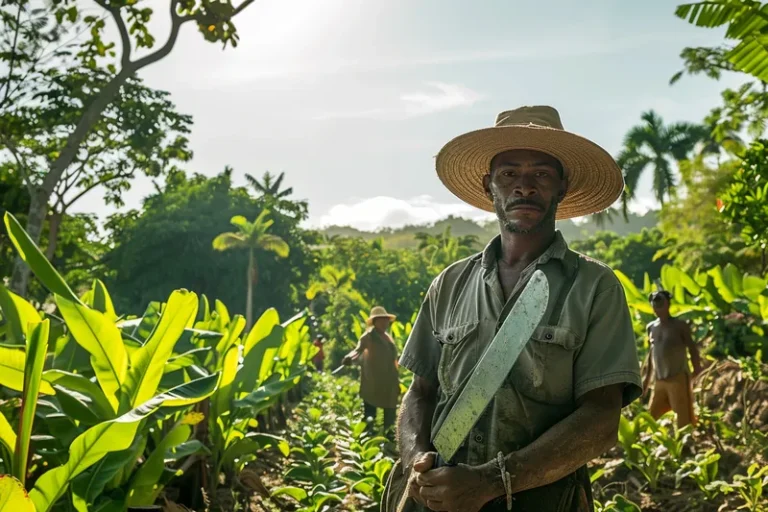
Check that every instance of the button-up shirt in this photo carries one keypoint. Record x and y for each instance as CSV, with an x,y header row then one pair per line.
x,y
584,341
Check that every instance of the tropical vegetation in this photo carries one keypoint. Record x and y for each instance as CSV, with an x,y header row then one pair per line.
x,y
163,358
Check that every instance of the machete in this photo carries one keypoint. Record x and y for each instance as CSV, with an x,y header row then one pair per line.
x,y
493,367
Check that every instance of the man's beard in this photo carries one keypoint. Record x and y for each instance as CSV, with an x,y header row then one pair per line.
x,y
501,213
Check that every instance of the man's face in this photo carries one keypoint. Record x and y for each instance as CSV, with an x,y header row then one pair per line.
x,y
660,304
526,187
381,323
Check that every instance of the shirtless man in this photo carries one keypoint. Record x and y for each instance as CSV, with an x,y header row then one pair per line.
x,y
670,338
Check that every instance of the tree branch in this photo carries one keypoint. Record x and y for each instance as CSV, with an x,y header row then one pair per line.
x,y
12,60
95,184
176,23
242,7
125,39
23,169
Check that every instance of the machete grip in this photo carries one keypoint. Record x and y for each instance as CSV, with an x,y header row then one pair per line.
x,y
439,462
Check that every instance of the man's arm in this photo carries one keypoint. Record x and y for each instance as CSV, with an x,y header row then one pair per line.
x,y
692,348
415,419
589,431
648,371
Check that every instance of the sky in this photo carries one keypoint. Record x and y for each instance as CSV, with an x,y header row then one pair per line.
x,y
352,99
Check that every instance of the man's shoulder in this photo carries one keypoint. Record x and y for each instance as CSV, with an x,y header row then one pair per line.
x,y
595,271
453,272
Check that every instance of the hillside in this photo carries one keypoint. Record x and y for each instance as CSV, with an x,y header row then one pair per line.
x,y
404,237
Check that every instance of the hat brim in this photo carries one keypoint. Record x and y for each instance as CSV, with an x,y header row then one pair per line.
x,y
595,180
372,318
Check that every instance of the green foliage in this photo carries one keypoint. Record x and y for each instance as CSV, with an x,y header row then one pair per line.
x,y
187,215
634,255
618,503
745,200
746,20
703,470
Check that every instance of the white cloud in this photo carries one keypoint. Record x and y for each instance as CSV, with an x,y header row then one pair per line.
x,y
438,98
372,213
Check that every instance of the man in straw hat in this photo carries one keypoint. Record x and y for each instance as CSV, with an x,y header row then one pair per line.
x,y
559,406
379,380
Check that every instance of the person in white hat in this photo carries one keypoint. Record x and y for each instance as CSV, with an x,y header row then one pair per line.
x,y
560,404
379,379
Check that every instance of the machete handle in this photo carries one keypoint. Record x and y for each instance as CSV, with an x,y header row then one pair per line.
x,y
439,462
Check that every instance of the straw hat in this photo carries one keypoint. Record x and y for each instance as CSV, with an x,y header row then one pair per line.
x,y
378,312
594,179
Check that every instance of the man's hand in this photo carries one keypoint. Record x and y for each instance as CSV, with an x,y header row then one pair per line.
x,y
346,361
422,462
460,488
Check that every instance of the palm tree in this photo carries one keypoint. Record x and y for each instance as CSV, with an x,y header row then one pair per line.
x,y
656,146
252,236
270,185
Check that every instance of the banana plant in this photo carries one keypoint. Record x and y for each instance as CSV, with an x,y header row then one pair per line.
x,y
13,497
103,414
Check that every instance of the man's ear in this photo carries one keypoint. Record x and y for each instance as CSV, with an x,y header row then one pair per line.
x,y
563,191
487,185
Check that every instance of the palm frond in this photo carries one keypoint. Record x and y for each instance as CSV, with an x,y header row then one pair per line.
x,y
226,241
275,244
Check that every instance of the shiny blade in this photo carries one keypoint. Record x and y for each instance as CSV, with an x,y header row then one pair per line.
x,y
494,365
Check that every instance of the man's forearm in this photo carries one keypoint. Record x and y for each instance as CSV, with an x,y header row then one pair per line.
x,y
414,425
590,431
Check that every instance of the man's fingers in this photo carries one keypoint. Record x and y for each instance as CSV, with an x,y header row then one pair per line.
x,y
432,477
433,493
424,462
413,492
437,506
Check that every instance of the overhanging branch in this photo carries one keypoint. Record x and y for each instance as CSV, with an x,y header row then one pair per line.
x,y
125,38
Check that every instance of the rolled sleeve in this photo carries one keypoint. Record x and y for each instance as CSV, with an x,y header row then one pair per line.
x,y
609,354
421,353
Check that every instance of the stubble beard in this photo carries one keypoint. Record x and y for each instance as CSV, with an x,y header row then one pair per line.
x,y
547,219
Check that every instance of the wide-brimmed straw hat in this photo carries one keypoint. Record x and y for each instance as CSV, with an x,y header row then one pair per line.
x,y
594,179
378,312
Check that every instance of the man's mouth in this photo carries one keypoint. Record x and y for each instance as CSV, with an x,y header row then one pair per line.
x,y
525,207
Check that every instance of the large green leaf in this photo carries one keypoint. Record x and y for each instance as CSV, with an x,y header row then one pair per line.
x,y
7,437
234,330
12,361
148,362
19,314
144,485
264,396
753,287
101,338
226,388
194,356
31,254
13,497
296,493
87,486
98,298
263,327
37,347
87,449
81,384
723,284
258,360
190,392
70,356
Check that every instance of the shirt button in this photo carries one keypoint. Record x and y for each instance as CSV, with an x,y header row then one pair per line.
x,y
548,336
479,438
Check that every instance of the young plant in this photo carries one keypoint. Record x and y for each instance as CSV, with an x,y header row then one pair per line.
x,y
702,470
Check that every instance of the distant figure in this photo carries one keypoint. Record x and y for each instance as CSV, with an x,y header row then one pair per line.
x,y
379,380
670,338
320,356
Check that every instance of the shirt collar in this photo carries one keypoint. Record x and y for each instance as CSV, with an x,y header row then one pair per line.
x,y
558,250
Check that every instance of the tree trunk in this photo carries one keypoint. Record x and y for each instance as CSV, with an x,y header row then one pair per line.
x,y
38,209
249,298
54,222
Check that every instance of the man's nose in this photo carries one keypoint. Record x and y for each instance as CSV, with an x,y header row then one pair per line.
x,y
524,188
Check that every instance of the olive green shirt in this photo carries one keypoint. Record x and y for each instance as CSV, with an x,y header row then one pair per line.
x,y
585,341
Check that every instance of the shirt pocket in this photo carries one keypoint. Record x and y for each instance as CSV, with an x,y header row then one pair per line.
x,y
457,349
544,370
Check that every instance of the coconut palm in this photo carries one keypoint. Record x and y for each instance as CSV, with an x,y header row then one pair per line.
x,y
653,145
270,185
253,237
444,249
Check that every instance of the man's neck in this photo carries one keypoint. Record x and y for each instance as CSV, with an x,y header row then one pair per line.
x,y
664,318
517,248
